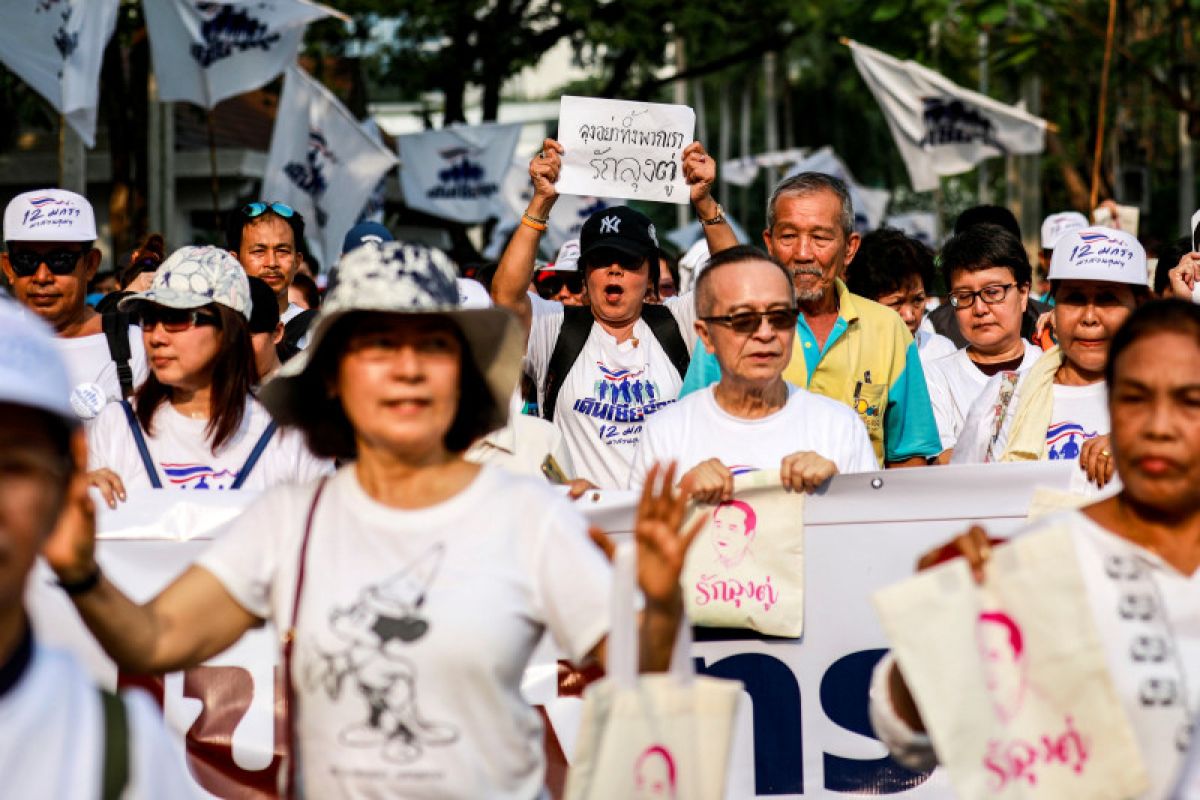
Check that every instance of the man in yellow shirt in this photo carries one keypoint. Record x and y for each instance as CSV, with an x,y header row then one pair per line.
x,y
848,348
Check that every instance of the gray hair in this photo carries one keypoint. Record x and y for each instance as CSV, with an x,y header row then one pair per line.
x,y
806,183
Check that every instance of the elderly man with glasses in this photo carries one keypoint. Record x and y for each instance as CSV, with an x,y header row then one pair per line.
x,y
751,418
50,258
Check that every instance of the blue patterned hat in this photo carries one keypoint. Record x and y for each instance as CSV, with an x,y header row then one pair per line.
x,y
193,277
403,278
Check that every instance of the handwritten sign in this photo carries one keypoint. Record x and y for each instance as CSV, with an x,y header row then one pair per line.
x,y
1011,677
624,149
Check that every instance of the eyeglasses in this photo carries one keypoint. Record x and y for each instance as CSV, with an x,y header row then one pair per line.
x,y
991,295
748,322
175,320
552,284
258,208
25,263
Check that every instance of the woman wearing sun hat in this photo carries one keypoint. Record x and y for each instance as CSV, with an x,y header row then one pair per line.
x,y
413,585
1057,408
194,424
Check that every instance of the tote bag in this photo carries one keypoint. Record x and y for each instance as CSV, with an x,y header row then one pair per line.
x,y
665,735
746,567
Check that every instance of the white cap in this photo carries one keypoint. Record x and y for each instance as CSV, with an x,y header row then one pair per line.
x,y
1099,254
193,277
49,215
471,294
567,259
1055,225
32,372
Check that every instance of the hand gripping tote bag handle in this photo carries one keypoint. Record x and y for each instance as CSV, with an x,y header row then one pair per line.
x,y
664,735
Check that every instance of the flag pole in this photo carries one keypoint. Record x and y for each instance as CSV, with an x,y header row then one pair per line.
x,y
1108,48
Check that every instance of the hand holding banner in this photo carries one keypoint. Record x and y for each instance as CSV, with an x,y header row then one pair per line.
x,y
624,149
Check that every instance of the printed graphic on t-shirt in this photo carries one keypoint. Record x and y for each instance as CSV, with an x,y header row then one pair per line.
x,y
622,396
198,476
374,631
1065,439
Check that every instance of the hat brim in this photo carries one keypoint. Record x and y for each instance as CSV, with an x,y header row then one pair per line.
x,y
495,343
171,298
629,248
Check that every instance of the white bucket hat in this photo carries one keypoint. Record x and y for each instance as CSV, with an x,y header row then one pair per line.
x,y
49,215
1099,254
193,277
32,372
402,278
1056,225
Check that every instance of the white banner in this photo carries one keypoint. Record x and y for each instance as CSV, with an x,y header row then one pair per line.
x,y
456,173
804,731
207,50
940,127
625,149
57,47
322,163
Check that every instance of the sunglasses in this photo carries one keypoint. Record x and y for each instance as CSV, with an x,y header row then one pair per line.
x,y
61,262
607,258
174,320
258,208
748,322
552,284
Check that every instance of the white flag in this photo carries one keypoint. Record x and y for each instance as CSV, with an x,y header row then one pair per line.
x,y
322,162
57,47
457,173
208,50
940,127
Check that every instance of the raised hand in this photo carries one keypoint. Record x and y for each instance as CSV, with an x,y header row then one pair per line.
x,y
662,541
543,171
70,549
699,170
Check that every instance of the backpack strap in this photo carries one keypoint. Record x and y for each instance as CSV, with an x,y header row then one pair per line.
x,y
116,332
576,327
297,326
140,440
289,640
115,777
666,329
255,454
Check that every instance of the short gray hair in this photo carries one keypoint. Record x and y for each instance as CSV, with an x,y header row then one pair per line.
x,y
806,183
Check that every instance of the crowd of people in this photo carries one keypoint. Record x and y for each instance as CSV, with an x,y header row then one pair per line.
x,y
407,426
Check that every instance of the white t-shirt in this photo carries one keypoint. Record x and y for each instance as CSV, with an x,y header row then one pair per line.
x,y
1080,413
696,429
181,452
954,383
932,345
416,628
52,737
521,446
1116,574
88,360
611,389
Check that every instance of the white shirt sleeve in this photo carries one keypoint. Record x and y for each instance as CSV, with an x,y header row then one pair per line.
x,y
683,307
860,452
941,401
293,451
912,749
543,334
111,446
246,560
572,579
